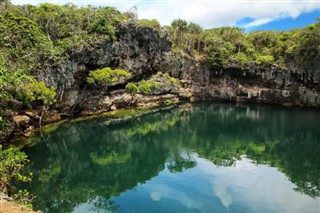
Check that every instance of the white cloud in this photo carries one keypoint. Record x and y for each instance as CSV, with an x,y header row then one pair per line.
x,y
208,13
258,22
256,187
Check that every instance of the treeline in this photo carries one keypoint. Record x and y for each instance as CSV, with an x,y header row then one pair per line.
x,y
231,44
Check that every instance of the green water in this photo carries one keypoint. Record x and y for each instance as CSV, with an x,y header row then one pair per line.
x,y
193,158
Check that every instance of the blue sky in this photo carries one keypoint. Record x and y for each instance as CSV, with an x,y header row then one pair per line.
x,y
248,14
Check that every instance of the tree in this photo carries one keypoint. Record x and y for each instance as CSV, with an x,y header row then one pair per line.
x,y
132,14
179,27
12,161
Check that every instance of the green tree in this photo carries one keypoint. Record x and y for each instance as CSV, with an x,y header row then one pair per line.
x,y
179,27
12,162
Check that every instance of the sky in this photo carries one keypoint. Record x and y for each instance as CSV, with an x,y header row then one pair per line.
x,y
248,14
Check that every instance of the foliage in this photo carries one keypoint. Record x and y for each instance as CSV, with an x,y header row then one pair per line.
x,y
105,76
144,87
265,60
133,88
171,80
264,48
168,102
22,44
18,88
241,58
153,23
3,124
186,35
12,161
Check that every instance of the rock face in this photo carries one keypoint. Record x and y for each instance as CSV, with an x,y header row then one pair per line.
x,y
255,84
145,53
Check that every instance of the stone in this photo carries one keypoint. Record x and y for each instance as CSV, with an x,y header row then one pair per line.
x,y
21,120
33,114
51,118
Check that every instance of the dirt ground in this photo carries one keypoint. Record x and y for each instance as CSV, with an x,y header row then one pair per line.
x,y
10,207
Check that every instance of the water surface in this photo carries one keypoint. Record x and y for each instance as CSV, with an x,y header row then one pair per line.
x,y
193,158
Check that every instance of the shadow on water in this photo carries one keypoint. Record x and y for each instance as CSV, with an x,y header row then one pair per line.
x,y
94,161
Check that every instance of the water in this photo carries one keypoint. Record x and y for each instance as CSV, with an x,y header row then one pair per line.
x,y
194,158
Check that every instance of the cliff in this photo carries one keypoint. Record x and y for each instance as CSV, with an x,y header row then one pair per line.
x,y
147,54
144,52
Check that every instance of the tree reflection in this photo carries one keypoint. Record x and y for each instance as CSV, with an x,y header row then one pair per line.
x,y
93,161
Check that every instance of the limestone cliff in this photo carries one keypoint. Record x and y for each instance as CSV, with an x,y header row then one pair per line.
x,y
147,55
144,52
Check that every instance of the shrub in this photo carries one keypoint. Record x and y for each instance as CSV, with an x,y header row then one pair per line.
x,y
132,88
12,161
168,102
241,58
105,76
266,60
3,124
146,87
171,80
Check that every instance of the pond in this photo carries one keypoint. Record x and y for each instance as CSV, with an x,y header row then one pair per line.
x,y
192,158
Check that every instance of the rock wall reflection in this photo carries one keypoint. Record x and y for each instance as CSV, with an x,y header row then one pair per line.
x,y
97,159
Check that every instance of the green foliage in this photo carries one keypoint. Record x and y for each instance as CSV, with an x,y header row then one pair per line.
x,y
22,43
144,87
101,26
171,80
105,76
23,197
47,174
110,158
265,48
131,87
168,102
186,35
265,60
153,23
3,124
241,58
180,25
20,88
37,91
12,161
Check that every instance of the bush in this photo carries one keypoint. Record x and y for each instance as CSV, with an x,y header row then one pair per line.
x,y
266,60
105,76
132,88
146,87
241,59
12,161
3,124
168,102
23,88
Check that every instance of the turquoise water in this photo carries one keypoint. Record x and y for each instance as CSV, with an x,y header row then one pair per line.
x,y
193,158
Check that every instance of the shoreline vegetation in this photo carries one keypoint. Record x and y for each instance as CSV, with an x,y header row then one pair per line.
x,y
34,40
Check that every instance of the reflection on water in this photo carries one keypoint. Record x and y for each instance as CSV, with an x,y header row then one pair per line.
x,y
194,158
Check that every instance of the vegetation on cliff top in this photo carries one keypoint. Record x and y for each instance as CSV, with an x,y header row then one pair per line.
x,y
230,44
